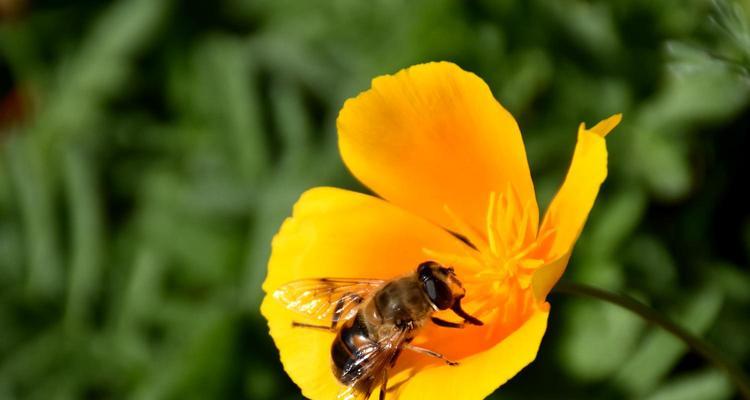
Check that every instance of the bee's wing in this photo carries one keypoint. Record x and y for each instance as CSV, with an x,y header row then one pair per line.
x,y
366,369
325,298
349,393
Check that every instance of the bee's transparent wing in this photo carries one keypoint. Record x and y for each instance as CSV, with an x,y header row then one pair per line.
x,y
365,371
349,393
326,298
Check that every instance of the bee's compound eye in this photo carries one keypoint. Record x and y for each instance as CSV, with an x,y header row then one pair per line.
x,y
432,275
439,293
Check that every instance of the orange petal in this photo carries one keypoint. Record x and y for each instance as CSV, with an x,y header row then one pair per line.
x,y
569,209
547,276
479,375
433,137
338,233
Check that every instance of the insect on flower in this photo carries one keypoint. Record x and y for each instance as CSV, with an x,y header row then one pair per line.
x,y
375,320
455,240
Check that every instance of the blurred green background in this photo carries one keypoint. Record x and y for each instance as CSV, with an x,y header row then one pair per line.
x,y
150,149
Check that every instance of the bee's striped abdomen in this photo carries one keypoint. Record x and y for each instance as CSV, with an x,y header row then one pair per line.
x,y
347,348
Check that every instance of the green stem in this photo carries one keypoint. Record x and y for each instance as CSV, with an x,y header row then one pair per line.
x,y
699,345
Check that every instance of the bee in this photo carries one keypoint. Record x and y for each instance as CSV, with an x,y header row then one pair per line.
x,y
375,320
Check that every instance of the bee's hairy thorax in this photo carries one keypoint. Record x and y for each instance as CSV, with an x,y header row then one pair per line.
x,y
401,304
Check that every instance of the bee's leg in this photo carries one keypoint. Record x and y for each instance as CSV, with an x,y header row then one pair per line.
x,y
428,352
446,324
384,385
296,324
463,314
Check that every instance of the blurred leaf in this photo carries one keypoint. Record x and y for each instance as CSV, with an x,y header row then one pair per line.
x,y
36,203
597,339
85,263
696,386
660,351
652,263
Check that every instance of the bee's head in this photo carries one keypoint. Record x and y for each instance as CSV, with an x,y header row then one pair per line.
x,y
440,284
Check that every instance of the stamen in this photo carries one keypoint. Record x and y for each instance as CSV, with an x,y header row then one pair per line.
x,y
524,252
487,276
510,226
491,221
542,241
501,215
524,229
502,264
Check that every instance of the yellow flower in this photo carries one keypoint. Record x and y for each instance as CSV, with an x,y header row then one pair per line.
x,y
448,161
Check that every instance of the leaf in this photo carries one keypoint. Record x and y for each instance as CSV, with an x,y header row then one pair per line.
x,y
659,351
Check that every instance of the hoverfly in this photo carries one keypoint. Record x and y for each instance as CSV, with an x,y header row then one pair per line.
x,y
375,320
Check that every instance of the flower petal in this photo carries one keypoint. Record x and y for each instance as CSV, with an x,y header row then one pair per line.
x,y
338,233
433,137
547,276
479,375
569,209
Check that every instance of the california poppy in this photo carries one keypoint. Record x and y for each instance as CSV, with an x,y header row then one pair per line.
x,y
449,165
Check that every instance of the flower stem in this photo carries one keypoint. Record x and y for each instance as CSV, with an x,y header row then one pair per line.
x,y
650,315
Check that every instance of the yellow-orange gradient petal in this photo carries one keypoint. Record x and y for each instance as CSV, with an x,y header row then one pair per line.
x,y
432,137
569,209
338,233
477,376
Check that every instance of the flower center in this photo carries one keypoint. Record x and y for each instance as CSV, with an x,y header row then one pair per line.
x,y
497,271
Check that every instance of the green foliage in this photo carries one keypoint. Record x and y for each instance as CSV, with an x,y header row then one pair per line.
x,y
164,142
